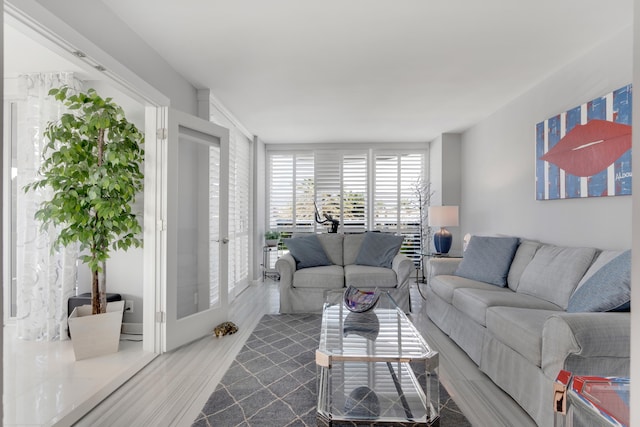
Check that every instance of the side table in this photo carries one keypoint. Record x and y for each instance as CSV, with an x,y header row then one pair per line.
x,y
267,270
582,401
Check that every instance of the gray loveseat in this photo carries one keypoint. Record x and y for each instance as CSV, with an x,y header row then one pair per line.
x,y
302,289
550,315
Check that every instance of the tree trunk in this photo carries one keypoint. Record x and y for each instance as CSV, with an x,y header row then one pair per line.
x,y
95,290
98,291
103,289
99,295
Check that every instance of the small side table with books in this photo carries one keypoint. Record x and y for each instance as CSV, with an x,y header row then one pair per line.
x,y
591,401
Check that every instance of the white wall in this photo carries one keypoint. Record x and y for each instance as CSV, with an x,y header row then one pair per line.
x,y
444,174
498,160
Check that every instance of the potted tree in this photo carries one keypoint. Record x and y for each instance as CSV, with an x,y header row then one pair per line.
x,y
271,238
92,163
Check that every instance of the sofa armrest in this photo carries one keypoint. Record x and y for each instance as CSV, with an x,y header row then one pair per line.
x,y
286,266
443,266
587,344
403,267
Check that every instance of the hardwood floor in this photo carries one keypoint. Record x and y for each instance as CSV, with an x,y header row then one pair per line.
x,y
173,388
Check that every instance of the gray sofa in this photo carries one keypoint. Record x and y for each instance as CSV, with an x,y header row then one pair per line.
x,y
521,335
302,290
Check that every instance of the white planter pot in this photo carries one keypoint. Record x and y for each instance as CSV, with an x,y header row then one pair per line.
x,y
95,335
271,242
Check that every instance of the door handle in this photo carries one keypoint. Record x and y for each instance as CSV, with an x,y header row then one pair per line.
x,y
223,240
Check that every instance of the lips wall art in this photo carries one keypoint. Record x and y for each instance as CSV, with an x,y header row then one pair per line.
x,y
586,151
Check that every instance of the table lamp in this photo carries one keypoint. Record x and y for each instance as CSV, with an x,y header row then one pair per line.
x,y
443,216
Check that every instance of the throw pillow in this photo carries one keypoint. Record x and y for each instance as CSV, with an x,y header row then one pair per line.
x,y
379,249
487,259
554,273
608,289
307,251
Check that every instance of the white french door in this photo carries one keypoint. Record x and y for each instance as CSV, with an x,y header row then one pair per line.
x,y
194,265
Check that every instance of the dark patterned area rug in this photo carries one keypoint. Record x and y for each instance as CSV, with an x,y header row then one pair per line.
x,y
272,381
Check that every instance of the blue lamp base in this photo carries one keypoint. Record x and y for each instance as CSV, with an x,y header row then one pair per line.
x,y
442,241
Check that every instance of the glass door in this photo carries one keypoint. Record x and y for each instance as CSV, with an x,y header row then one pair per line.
x,y
196,285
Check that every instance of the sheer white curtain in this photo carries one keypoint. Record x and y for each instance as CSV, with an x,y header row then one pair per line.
x,y
45,278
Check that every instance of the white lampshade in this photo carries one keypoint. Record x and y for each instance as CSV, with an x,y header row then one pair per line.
x,y
443,216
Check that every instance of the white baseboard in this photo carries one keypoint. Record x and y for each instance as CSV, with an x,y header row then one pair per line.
x,y
132,328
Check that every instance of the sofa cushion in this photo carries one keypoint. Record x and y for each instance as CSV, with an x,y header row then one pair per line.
x,y
443,286
519,329
379,249
352,243
307,251
475,302
487,259
326,277
333,246
554,272
608,288
526,250
363,276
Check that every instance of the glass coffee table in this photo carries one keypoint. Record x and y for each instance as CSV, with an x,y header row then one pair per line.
x,y
374,368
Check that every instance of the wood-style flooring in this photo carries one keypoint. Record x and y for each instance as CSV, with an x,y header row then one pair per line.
x,y
172,389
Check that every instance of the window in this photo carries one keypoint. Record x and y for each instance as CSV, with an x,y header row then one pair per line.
x,y
239,202
341,181
239,210
291,192
365,189
395,209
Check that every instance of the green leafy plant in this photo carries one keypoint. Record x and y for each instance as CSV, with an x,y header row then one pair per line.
x,y
92,162
271,235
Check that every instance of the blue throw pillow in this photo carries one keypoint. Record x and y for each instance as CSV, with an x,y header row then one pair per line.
x,y
608,289
487,259
379,249
307,251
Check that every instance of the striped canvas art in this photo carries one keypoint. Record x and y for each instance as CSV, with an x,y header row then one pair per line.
x,y
586,151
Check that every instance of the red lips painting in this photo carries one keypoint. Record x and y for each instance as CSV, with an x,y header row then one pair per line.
x,y
590,148
586,151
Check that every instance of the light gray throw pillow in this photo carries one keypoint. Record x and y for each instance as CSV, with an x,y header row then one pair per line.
x,y
554,273
608,289
487,259
379,249
307,251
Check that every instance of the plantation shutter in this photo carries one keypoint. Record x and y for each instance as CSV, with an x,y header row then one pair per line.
x,y
341,187
355,175
328,183
386,195
364,189
240,166
291,192
303,204
239,211
395,210
281,190
412,168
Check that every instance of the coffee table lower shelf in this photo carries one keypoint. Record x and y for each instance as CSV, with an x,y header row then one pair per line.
x,y
376,393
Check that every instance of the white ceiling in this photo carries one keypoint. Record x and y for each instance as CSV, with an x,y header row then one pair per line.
x,y
368,70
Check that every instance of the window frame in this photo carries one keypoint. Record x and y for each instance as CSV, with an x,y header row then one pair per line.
x,y
369,154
